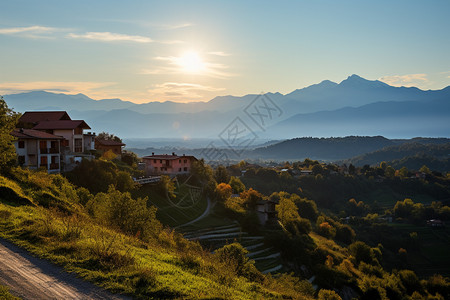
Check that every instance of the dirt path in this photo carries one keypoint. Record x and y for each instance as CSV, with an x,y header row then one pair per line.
x,y
32,278
209,206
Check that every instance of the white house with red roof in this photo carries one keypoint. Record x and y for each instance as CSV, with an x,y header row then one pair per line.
x,y
74,144
168,164
37,149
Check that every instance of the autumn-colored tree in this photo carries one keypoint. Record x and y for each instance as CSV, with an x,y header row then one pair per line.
x,y
251,197
223,192
108,155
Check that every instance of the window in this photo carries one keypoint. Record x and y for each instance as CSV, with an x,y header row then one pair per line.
x,y
43,162
21,160
78,145
179,161
185,161
179,169
185,169
154,161
160,161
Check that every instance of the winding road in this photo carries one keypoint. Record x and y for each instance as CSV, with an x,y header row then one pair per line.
x,y
29,277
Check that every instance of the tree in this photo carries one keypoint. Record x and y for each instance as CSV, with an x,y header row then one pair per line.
x,y
289,218
108,136
328,295
223,192
221,174
237,185
8,121
251,197
129,157
425,169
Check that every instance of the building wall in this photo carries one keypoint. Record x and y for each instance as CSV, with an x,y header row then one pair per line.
x,y
68,135
180,165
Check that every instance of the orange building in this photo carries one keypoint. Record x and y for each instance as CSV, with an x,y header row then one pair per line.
x,y
168,164
105,145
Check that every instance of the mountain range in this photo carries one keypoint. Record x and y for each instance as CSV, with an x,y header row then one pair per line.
x,y
355,106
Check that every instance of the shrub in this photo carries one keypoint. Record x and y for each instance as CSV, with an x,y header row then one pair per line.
x,y
328,295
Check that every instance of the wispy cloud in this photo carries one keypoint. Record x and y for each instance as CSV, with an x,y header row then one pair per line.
x,y
85,87
407,80
110,37
31,31
219,53
181,90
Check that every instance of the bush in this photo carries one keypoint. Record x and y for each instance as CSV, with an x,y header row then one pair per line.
x,y
328,295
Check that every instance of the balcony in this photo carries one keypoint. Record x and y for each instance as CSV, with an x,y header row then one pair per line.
x,y
54,150
43,151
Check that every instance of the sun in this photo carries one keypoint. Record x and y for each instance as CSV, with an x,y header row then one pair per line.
x,y
191,62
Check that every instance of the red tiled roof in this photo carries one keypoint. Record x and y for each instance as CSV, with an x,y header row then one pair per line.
x,y
109,143
167,156
61,124
38,116
34,134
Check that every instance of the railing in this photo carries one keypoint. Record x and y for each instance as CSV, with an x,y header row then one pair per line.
x,y
54,166
54,150
43,166
151,179
43,150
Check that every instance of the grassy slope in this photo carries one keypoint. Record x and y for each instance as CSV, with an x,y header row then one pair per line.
x,y
168,267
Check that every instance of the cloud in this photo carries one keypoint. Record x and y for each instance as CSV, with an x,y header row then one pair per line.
x,y
30,31
84,87
110,37
219,53
405,80
181,90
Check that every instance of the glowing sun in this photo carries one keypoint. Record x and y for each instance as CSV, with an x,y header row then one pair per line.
x,y
191,62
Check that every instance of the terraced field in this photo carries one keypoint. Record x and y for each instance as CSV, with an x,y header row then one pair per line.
x,y
266,259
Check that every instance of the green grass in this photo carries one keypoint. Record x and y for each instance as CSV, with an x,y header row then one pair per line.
x,y
5,294
167,267
176,211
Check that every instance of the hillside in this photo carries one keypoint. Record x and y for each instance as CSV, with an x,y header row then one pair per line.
x,y
411,155
321,148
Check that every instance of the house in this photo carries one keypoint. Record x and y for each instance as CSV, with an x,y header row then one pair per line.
x,y
74,143
168,164
37,149
435,223
105,145
306,172
265,210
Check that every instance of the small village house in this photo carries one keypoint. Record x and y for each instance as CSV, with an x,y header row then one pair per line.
x,y
103,146
37,149
265,210
168,164
74,144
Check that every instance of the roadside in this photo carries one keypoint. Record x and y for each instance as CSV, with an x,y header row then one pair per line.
x,y
29,277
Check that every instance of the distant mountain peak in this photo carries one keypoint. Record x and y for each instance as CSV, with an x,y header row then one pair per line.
x,y
358,81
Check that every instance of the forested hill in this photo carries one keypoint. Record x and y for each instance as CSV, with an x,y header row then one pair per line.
x,y
410,155
322,148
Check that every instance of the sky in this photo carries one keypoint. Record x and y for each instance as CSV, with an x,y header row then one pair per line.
x,y
188,51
